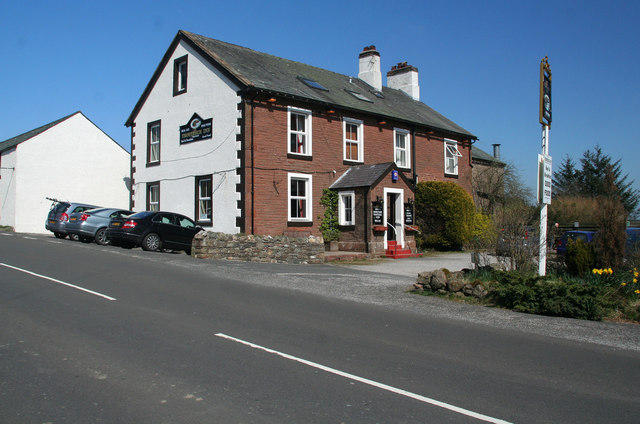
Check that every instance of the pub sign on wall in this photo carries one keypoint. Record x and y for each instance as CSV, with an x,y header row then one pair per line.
x,y
196,129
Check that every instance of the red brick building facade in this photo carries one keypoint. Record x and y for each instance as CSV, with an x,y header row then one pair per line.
x,y
303,129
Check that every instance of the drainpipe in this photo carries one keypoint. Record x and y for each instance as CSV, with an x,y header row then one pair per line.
x,y
366,220
131,154
253,212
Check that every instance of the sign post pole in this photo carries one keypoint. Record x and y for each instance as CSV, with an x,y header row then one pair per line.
x,y
544,162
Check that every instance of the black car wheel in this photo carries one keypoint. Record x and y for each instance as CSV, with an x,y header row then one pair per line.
x,y
152,242
101,237
59,235
74,237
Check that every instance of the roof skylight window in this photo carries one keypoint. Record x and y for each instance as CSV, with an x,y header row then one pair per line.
x,y
378,94
313,84
359,96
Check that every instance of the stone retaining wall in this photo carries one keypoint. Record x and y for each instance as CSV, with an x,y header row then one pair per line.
x,y
445,282
271,249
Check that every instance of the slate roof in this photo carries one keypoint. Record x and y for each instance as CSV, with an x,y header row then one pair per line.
x,y
12,142
253,70
481,155
362,175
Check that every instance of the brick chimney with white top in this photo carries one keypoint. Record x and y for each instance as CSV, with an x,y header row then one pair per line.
x,y
369,67
404,77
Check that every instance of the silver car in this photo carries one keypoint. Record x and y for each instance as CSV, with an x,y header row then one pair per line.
x,y
59,213
90,225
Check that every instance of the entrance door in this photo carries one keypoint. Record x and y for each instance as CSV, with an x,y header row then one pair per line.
x,y
394,210
391,216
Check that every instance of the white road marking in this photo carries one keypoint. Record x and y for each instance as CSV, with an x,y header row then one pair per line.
x,y
370,382
104,296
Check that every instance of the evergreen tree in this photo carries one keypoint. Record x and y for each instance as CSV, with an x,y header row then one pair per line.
x,y
589,180
566,181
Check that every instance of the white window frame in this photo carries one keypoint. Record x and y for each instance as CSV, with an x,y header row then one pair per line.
x,y
153,205
451,155
308,197
359,142
306,133
200,200
407,149
342,211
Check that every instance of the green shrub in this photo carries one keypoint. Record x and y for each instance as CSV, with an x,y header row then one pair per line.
x,y
580,257
329,225
445,214
543,296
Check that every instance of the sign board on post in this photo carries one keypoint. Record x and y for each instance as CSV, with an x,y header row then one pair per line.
x,y
545,175
545,92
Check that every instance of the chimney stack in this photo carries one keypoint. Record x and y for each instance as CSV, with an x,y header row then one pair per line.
x,y
404,77
369,67
496,151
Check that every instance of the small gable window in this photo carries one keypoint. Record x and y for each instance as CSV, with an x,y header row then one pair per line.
x,y
180,75
153,143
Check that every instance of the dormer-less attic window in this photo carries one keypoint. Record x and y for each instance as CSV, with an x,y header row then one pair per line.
x,y
359,96
313,84
378,94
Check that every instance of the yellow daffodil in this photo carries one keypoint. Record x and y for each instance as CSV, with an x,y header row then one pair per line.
x,y
623,284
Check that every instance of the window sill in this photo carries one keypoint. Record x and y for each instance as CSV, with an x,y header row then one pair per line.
x,y
299,223
299,156
177,93
352,162
204,223
150,164
450,175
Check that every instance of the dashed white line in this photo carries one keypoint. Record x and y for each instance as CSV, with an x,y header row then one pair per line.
x,y
73,286
370,382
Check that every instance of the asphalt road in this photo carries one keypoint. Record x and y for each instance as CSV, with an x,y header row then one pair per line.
x,y
101,334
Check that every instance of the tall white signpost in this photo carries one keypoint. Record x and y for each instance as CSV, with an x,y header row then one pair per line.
x,y
545,170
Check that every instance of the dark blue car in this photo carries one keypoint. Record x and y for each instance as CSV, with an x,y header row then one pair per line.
x,y
583,236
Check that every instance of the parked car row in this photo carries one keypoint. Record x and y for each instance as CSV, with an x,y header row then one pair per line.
x,y
632,245
150,230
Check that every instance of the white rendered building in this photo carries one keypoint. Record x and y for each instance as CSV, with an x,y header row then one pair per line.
x,y
69,159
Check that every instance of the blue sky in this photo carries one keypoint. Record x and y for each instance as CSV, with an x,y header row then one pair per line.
x,y
478,61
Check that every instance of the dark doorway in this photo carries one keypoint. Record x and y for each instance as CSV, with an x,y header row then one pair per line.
x,y
391,216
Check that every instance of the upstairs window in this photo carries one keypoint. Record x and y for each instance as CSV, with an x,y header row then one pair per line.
x,y
346,208
153,143
402,149
299,123
451,155
353,143
180,75
299,197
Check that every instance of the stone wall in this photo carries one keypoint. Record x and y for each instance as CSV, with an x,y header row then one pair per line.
x,y
444,282
256,248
